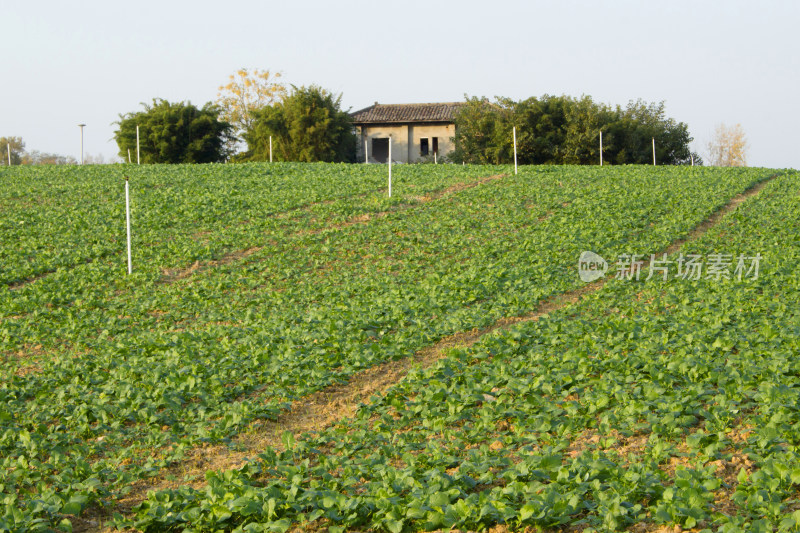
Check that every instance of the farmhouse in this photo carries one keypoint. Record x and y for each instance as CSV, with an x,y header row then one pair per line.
x,y
418,131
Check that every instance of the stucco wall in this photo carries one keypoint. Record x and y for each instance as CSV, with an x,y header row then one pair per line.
x,y
406,140
399,135
441,131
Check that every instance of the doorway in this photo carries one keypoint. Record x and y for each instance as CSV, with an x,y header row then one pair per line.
x,y
380,150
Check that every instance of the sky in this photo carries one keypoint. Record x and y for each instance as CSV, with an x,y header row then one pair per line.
x,y
710,61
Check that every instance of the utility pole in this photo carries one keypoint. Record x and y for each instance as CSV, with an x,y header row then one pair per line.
x,y
81,126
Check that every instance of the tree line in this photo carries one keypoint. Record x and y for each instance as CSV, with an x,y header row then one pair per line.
x,y
566,130
308,124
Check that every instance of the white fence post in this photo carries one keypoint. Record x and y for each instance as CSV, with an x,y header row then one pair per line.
x,y
515,150
601,148
390,167
654,151
128,222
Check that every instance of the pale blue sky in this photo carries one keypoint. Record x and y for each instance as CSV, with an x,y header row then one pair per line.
x,y
712,61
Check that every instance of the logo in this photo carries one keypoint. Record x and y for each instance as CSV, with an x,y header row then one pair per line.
x,y
591,266
630,267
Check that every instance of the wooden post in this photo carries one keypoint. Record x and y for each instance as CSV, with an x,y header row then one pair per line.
x,y
270,148
138,153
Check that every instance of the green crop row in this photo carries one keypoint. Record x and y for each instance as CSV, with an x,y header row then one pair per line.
x,y
649,402
62,217
134,370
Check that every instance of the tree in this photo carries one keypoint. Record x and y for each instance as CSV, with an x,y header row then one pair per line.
x,y
542,129
585,120
306,125
478,123
247,92
17,146
174,133
728,147
631,134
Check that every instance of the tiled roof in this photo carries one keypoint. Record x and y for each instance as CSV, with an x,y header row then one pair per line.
x,y
403,113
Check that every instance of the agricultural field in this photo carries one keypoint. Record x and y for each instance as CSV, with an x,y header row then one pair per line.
x,y
488,386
